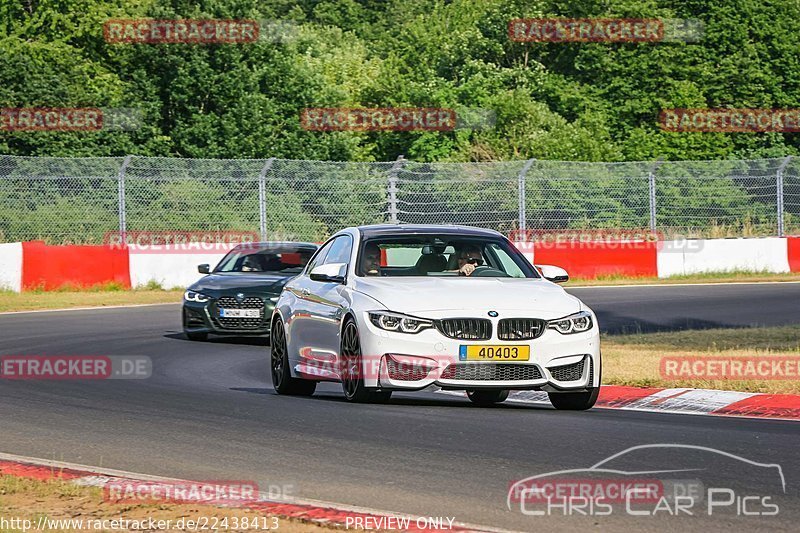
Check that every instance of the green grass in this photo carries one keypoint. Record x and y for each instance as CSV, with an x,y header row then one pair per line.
x,y
61,500
703,277
64,299
635,359
783,338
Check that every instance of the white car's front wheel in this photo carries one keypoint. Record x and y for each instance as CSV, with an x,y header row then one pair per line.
x,y
578,401
352,369
574,401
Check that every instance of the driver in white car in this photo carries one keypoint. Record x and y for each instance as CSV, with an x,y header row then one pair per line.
x,y
469,258
372,260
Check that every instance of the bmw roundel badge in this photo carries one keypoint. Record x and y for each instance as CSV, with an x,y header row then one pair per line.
x,y
492,314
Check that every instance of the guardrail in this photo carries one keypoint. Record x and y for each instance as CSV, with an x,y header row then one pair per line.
x,y
82,200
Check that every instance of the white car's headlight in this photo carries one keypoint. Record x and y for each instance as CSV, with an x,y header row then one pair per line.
x,y
577,323
398,322
191,296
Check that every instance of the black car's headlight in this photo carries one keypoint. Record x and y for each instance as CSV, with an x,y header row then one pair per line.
x,y
577,323
192,296
398,322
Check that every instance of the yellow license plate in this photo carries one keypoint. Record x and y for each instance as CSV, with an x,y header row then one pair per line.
x,y
477,352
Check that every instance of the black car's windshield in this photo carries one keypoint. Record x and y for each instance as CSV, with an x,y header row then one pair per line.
x,y
283,259
442,255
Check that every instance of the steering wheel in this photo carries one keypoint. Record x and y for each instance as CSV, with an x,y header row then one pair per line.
x,y
484,271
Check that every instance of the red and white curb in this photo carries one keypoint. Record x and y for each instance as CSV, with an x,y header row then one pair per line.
x,y
682,401
310,511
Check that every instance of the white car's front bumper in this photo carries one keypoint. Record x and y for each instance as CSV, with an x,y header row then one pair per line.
x,y
557,362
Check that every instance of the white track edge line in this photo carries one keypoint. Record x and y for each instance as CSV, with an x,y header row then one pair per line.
x,y
93,308
707,284
110,472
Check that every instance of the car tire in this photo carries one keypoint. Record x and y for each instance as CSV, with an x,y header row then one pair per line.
x,y
577,401
351,368
282,380
196,335
487,398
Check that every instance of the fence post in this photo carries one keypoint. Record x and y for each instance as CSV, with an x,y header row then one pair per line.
x,y
262,199
521,195
779,190
391,189
121,209
651,179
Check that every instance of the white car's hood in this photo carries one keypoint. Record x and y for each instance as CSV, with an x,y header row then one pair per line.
x,y
412,295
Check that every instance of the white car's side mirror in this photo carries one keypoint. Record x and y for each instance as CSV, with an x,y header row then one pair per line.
x,y
332,272
553,273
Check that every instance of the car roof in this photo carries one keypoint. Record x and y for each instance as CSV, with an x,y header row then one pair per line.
x,y
384,230
276,244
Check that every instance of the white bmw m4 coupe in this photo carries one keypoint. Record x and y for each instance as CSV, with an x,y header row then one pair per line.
x,y
403,307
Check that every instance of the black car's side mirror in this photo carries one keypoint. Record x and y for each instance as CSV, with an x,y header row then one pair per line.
x,y
204,268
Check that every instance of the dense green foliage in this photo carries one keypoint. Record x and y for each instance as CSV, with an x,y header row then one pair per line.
x,y
587,102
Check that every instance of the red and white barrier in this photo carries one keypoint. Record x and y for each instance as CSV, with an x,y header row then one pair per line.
x,y
667,258
169,270
50,267
596,259
35,265
718,255
11,266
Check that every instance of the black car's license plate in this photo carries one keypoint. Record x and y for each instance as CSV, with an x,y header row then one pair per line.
x,y
240,313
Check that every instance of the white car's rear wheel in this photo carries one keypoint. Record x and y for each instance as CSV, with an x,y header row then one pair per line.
x,y
485,398
282,380
351,369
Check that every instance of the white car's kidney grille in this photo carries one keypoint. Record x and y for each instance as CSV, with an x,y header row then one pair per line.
x,y
465,328
228,302
520,329
491,372
571,372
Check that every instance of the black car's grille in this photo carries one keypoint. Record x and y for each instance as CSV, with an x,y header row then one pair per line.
x,y
465,328
571,372
520,329
491,372
228,302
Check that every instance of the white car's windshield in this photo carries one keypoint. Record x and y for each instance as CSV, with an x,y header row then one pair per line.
x,y
442,255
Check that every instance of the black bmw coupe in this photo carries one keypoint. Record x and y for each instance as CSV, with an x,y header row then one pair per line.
x,y
238,296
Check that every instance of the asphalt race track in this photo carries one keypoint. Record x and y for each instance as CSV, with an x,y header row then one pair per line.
x,y
209,412
674,307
